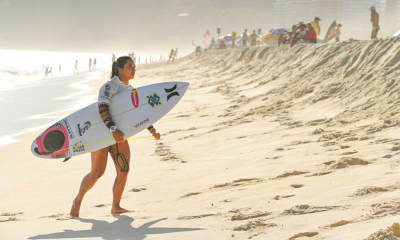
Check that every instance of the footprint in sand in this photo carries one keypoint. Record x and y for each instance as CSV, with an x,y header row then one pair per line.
x,y
338,224
190,194
60,217
11,216
239,182
369,190
137,189
164,151
347,161
306,209
254,225
243,216
318,174
102,205
277,197
294,173
194,217
304,234
297,185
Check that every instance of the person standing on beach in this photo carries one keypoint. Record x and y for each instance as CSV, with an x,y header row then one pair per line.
x,y
123,70
316,26
59,69
253,37
94,64
113,58
375,22
244,38
76,67
90,64
337,32
171,55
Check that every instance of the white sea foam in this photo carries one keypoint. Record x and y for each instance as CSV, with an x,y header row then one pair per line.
x,y
28,97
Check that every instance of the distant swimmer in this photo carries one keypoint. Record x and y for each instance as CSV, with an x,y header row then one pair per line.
x,y
94,64
337,32
123,70
375,22
253,37
90,64
113,58
76,67
47,71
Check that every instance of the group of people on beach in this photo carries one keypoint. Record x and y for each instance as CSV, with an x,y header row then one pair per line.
x,y
309,33
92,65
301,32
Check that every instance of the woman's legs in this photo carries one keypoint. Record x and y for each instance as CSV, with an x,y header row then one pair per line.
x,y
122,176
99,163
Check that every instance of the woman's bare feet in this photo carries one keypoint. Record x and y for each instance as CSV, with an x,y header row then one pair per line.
x,y
117,209
75,209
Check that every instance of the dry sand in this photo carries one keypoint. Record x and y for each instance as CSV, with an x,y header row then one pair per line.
x,y
268,143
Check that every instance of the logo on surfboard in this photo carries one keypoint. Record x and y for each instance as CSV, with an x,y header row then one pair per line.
x,y
135,98
78,148
68,128
171,92
82,130
153,100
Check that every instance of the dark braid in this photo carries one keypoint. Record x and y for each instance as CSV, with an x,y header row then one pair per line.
x,y
118,64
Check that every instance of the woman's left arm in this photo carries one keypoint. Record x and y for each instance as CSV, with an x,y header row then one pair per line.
x,y
153,132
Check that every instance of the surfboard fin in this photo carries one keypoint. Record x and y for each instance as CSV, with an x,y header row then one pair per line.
x,y
66,159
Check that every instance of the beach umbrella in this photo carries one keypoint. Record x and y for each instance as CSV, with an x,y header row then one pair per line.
x,y
227,38
266,36
278,31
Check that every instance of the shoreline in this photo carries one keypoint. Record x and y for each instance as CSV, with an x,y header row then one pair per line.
x,y
87,87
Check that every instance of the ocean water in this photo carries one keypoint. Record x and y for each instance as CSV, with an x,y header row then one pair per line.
x,y
27,96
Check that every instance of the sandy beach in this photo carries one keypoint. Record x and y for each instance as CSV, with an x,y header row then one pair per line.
x,y
267,143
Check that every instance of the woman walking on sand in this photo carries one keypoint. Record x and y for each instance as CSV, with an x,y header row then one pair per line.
x,y
122,71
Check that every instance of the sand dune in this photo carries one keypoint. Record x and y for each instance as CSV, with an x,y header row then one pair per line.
x,y
268,143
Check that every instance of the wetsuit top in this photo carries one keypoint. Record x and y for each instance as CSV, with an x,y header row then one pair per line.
x,y
112,87
107,91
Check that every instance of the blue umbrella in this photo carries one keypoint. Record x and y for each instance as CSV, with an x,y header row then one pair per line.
x,y
278,31
227,38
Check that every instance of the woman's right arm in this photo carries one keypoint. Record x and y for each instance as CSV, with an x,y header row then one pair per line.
x,y
104,101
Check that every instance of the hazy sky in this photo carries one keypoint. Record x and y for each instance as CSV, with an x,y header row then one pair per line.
x,y
118,26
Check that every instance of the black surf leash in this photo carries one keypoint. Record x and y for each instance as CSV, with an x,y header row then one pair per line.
x,y
126,166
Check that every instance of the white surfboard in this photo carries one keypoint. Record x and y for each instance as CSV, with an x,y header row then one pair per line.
x,y
132,111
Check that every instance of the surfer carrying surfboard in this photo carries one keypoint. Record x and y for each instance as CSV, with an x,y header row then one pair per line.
x,y
122,71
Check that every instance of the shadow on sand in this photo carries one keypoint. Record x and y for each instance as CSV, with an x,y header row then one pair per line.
x,y
120,229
